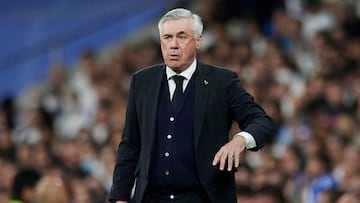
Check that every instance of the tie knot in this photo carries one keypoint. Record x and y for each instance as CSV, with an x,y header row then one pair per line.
x,y
178,79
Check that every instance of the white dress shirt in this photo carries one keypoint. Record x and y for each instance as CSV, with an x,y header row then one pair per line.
x,y
187,74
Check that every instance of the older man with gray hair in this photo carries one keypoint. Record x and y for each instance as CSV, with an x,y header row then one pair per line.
x,y
175,142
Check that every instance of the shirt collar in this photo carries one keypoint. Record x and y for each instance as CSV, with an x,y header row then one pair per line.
x,y
187,73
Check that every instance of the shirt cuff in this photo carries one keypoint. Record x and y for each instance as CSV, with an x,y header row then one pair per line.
x,y
249,139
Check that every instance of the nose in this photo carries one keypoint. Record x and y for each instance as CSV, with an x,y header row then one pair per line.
x,y
174,44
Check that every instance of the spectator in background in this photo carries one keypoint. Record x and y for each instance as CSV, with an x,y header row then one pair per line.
x,y
329,196
292,165
23,187
348,198
269,194
51,189
7,150
318,178
8,171
245,194
3,195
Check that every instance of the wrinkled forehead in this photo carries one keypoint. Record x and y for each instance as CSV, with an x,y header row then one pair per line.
x,y
174,26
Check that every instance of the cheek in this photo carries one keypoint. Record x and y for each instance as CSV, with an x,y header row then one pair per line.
x,y
164,49
163,46
187,47
189,50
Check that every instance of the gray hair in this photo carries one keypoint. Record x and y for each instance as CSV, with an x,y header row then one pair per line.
x,y
180,13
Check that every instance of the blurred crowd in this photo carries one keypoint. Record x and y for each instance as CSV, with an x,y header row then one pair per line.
x,y
299,59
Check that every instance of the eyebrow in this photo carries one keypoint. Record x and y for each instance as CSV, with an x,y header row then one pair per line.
x,y
179,33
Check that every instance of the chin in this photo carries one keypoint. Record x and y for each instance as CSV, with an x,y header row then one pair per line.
x,y
175,69
173,64
177,66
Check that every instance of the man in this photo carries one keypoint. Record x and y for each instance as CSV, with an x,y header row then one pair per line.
x,y
51,189
23,187
175,141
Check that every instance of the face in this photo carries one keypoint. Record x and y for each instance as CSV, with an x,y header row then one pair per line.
x,y
179,44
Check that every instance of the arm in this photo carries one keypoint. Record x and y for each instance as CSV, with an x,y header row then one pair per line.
x,y
251,118
128,152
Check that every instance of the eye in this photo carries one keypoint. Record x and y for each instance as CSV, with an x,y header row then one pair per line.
x,y
182,36
166,37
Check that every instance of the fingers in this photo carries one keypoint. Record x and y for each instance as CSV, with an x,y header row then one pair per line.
x,y
229,154
216,158
222,158
230,161
237,161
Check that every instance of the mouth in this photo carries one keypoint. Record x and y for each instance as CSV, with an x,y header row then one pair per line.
x,y
174,56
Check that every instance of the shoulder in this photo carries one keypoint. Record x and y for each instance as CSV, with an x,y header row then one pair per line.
x,y
149,70
326,181
148,75
216,70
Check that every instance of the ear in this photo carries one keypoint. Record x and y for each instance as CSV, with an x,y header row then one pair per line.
x,y
198,41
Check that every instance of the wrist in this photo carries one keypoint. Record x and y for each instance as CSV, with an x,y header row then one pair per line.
x,y
248,139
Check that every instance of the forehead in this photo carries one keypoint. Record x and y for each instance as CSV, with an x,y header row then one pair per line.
x,y
177,26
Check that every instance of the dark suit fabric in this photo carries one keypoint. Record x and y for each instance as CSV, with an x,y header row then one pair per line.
x,y
180,162
219,99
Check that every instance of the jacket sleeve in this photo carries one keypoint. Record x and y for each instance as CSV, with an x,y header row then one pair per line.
x,y
249,115
128,152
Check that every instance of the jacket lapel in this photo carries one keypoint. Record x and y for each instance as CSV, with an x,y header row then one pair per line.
x,y
152,103
202,88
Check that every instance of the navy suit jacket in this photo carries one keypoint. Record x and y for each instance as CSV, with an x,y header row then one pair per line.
x,y
219,100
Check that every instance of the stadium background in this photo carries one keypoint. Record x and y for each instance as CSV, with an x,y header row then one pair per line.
x,y
65,68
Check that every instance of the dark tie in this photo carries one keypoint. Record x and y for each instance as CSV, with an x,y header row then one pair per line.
x,y
178,94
